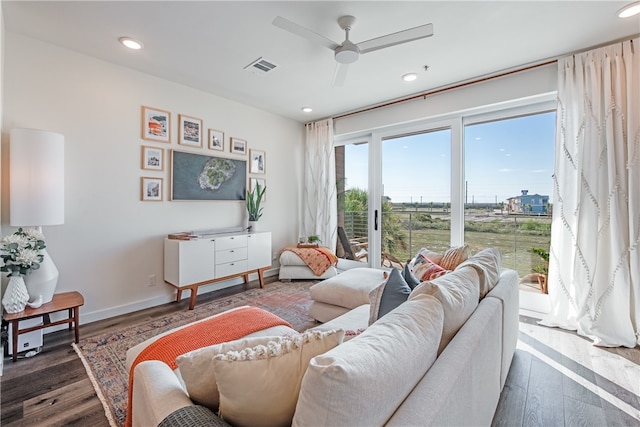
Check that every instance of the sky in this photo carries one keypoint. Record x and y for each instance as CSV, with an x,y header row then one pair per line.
x,y
501,159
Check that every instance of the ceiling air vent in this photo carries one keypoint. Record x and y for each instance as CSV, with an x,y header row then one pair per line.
x,y
260,66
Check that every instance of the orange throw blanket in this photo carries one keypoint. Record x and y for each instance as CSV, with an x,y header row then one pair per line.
x,y
317,259
222,328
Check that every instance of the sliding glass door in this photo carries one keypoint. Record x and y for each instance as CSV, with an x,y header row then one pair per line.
x,y
415,207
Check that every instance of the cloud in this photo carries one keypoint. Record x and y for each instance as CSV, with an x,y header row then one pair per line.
x,y
505,170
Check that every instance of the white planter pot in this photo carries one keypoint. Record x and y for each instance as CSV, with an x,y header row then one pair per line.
x,y
253,226
15,297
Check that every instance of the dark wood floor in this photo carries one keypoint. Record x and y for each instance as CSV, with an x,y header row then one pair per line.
x,y
557,379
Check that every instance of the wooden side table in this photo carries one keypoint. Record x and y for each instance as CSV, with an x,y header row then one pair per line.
x,y
64,301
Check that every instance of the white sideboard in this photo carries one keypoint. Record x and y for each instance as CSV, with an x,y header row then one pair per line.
x,y
189,264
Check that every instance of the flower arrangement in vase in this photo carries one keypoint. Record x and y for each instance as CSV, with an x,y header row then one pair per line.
x,y
20,253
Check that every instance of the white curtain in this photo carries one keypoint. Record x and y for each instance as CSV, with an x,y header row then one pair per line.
x,y
320,206
594,268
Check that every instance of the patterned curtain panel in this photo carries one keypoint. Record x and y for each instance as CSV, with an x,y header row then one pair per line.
x,y
320,206
594,268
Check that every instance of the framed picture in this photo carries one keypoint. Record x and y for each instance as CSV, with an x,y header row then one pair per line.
x,y
253,184
257,158
238,146
201,177
156,124
152,158
216,140
151,189
190,129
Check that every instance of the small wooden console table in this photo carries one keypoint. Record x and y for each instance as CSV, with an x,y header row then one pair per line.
x,y
64,301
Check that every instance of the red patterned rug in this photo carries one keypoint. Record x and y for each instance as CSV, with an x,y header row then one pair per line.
x,y
104,355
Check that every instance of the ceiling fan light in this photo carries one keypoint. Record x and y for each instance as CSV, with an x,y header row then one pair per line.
x,y
629,10
131,43
347,53
409,77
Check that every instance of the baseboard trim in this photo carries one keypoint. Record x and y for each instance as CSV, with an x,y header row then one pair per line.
x,y
90,317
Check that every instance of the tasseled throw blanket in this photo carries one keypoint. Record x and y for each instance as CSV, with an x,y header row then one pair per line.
x,y
222,328
317,259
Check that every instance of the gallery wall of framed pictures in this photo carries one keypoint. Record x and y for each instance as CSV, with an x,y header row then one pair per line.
x,y
213,168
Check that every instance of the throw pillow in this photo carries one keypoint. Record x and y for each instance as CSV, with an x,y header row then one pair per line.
x,y
196,368
388,296
454,257
458,292
488,265
409,277
260,385
428,270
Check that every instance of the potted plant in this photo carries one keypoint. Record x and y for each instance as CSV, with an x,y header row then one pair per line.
x,y
254,199
314,239
542,270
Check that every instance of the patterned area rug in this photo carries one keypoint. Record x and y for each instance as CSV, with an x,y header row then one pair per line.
x,y
104,355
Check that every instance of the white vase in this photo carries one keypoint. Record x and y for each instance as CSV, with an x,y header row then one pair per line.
x,y
15,296
43,281
253,226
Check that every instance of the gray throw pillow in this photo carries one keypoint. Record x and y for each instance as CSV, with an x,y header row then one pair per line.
x,y
388,296
409,277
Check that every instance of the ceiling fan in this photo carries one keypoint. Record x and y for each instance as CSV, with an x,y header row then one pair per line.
x,y
347,52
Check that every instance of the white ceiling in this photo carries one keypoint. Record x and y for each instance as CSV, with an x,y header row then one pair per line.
x,y
206,44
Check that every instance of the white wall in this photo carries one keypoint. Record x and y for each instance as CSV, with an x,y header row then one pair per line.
x,y
521,85
111,241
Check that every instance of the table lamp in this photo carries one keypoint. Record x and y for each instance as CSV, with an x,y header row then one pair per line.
x,y
36,194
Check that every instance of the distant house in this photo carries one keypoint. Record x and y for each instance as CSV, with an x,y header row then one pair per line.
x,y
528,203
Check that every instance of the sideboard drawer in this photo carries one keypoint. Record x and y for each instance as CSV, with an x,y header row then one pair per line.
x,y
237,254
231,242
231,268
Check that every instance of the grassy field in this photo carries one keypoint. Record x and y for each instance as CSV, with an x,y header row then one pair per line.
x,y
512,235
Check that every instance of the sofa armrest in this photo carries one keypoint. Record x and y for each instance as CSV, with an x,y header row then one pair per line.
x,y
157,392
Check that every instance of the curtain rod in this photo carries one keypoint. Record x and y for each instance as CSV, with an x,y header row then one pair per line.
x,y
482,79
445,89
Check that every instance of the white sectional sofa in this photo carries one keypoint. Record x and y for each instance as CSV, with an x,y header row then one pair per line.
x,y
397,372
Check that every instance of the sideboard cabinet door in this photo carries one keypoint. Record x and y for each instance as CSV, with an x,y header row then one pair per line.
x,y
259,247
189,261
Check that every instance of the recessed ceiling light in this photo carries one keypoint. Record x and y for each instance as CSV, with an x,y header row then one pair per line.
x,y
131,43
307,109
629,10
409,77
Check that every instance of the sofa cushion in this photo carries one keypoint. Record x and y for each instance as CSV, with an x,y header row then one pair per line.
x,y
198,375
260,385
389,295
349,289
458,292
488,265
351,385
352,322
454,257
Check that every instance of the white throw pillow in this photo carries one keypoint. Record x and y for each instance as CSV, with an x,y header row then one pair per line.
x,y
260,385
459,294
363,381
198,375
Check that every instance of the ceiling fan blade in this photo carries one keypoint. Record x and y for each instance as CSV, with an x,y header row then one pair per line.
x,y
393,39
339,74
303,32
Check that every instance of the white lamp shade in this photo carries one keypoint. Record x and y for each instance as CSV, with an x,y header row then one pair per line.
x,y
36,178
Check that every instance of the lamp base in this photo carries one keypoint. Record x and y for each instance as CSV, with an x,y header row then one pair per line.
x,y
43,281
